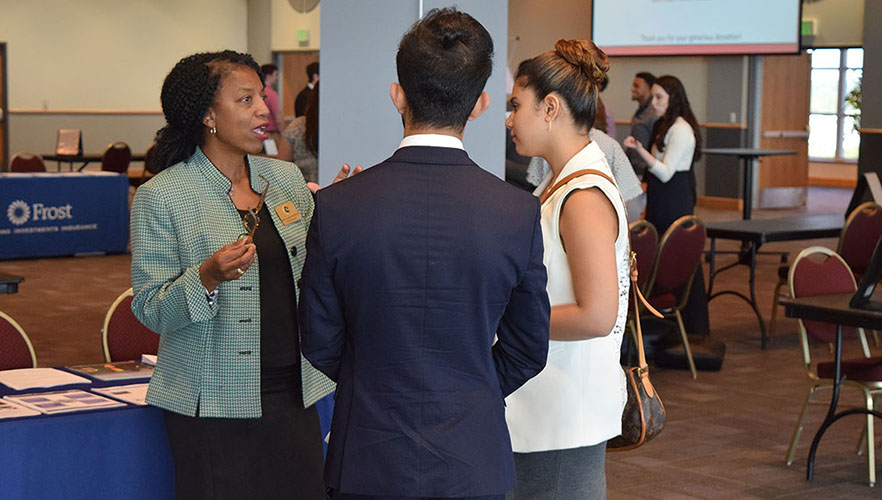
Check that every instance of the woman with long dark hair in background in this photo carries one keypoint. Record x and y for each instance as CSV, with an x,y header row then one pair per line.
x,y
670,187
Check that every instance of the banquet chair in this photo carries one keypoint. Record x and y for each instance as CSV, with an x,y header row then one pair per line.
x,y
821,271
26,162
116,158
644,242
16,350
123,336
862,229
679,256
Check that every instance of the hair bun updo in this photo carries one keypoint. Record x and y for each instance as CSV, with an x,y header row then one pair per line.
x,y
584,55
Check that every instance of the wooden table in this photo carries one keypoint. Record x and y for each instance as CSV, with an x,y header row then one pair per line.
x,y
754,233
833,309
748,156
85,159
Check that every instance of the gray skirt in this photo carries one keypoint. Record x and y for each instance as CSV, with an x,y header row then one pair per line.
x,y
574,474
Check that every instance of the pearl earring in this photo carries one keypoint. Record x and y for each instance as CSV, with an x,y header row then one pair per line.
x,y
212,130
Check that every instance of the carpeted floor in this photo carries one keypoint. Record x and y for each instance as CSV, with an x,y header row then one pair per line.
x,y
727,432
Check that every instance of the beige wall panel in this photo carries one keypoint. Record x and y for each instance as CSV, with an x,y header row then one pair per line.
x,y
286,22
839,22
534,26
108,54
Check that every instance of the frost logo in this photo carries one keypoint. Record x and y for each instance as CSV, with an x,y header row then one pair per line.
x,y
18,212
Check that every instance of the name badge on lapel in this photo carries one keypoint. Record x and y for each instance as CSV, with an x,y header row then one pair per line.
x,y
288,213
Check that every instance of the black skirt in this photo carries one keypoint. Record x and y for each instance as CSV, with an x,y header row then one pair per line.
x,y
665,203
276,456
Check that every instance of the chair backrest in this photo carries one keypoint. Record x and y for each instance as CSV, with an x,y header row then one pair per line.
x,y
116,158
862,230
679,255
820,271
644,243
124,337
26,162
16,350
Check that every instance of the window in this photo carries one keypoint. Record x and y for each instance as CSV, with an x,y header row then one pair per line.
x,y
835,73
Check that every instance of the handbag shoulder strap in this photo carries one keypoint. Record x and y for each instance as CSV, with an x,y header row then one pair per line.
x,y
639,299
579,173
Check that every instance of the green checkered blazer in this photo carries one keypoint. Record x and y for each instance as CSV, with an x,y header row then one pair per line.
x,y
209,356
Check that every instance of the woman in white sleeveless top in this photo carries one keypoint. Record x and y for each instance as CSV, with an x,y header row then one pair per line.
x,y
561,419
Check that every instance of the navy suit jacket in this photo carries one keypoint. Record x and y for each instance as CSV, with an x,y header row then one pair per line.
x,y
412,268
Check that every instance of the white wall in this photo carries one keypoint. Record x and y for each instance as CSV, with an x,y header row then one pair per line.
x,y
104,57
285,23
108,54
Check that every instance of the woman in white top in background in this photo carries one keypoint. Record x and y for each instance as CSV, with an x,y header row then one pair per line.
x,y
670,189
561,419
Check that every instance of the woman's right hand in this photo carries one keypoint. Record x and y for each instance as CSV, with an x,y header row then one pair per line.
x,y
630,142
228,263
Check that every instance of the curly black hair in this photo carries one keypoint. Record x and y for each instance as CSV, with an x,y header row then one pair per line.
x,y
187,94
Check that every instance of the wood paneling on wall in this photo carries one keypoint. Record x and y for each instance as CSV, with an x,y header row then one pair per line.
x,y
294,77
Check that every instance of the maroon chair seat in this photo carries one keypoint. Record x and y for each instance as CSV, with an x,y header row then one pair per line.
x,y
861,232
124,337
679,256
644,243
16,350
856,370
116,158
26,162
664,301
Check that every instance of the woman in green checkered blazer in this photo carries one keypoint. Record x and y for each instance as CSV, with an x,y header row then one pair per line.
x,y
217,249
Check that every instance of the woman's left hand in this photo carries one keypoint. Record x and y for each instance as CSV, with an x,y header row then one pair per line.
x,y
343,174
631,142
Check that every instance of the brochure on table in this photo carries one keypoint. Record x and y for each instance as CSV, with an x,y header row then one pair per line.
x,y
120,370
133,393
51,403
8,409
33,378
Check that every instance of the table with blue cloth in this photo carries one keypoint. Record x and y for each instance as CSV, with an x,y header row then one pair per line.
x,y
49,214
113,453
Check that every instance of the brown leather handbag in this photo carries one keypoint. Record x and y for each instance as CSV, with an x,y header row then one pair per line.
x,y
644,415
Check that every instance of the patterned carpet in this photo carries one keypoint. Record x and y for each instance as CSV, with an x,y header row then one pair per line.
x,y
727,432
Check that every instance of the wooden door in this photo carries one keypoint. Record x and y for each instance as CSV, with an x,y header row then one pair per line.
x,y
294,77
785,116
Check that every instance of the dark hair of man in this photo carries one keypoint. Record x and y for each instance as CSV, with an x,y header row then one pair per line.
x,y
312,69
187,93
310,134
678,105
443,62
574,71
268,69
649,78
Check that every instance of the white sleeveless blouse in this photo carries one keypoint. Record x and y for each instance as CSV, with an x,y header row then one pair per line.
x,y
578,398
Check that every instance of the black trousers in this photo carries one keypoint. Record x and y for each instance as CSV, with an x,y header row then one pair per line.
x,y
343,496
276,456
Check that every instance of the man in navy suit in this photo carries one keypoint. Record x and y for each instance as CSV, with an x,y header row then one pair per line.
x,y
412,268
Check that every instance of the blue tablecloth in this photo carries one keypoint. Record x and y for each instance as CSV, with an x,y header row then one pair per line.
x,y
49,214
116,453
